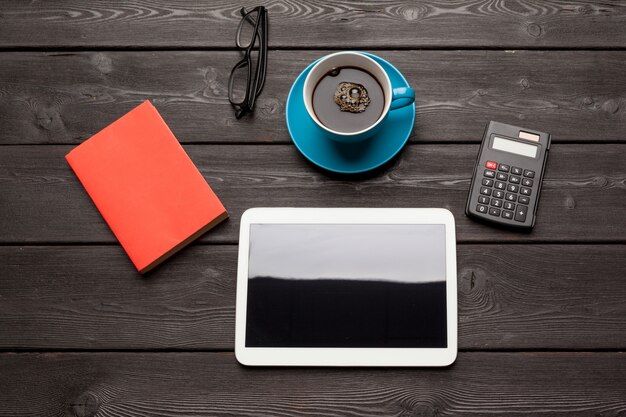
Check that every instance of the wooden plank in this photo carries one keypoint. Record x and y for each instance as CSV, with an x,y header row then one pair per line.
x,y
338,24
67,97
209,384
43,201
510,297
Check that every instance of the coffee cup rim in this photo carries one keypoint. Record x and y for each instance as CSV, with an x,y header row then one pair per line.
x,y
387,91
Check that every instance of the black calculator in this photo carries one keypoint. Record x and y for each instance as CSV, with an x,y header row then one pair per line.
x,y
508,174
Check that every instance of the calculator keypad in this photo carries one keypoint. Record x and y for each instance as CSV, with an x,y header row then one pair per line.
x,y
505,185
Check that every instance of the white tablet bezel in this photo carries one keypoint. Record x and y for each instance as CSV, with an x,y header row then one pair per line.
x,y
278,356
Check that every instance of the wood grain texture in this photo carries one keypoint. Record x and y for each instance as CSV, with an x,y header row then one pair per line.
x,y
64,98
41,200
510,297
213,384
299,23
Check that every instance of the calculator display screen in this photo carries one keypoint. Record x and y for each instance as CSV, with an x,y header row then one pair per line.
x,y
347,286
515,147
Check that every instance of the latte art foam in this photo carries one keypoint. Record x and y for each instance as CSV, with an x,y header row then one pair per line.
x,y
348,99
351,97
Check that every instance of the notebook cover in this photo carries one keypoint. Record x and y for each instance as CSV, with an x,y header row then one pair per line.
x,y
145,186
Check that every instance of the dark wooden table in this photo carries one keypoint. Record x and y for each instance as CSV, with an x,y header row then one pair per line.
x,y
542,316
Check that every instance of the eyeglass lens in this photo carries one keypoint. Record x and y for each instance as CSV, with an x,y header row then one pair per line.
x,y
239,79
246,29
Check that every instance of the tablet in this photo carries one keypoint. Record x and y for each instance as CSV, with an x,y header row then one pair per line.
x,y
346,287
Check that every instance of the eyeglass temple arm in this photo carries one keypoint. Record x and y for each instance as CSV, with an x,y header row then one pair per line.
x,y
245,14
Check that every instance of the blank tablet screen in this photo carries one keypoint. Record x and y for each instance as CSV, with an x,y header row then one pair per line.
x,y
347,285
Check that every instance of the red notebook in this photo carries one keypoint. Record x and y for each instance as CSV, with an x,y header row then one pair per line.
x,y
147,189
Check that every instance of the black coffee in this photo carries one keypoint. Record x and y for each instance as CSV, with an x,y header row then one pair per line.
x,y
348,99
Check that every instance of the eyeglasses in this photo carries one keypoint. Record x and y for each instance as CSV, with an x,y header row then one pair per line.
x,y
247,77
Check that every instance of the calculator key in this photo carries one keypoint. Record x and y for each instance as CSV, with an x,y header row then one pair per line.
x,y
528,173
496,203
483,200
502,177
513,179
509,206
487,182
491,165
485,191
498,193
527,182
520,213
513,188
511,197
507,214
481,209
489,174
523,200
516,171
504,168
494,211
500,185
524,191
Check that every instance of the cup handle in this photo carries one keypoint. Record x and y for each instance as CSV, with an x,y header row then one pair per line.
x,y
402,97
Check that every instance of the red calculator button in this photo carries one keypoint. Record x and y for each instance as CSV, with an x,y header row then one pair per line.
x,y
491,165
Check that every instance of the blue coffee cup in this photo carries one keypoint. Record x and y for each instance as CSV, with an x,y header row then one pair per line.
x,y
395,98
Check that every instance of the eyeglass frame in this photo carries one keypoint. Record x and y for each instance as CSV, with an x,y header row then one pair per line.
x,y
253,85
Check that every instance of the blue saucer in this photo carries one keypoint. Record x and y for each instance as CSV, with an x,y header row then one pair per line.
x,y
349,158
